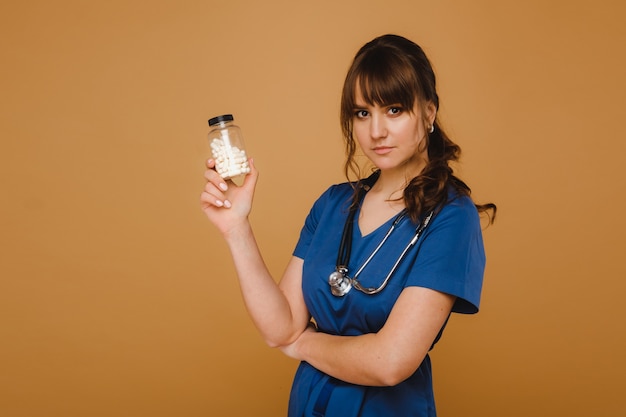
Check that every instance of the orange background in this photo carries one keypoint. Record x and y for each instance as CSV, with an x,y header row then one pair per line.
x,y
117,297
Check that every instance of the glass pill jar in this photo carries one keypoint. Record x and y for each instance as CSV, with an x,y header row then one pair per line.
x,y
227,147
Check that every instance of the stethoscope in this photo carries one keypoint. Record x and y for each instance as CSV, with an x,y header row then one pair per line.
x,y
339,280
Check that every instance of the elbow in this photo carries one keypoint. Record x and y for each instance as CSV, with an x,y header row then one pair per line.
x,y
271,343
275,341
284,337
393,372
391,378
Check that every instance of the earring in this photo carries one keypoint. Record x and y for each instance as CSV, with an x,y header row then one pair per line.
x,y
432,128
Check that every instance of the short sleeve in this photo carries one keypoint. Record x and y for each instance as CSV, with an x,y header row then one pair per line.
x,y
312,221
451,256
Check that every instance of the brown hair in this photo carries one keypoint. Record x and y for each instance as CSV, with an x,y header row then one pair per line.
x,y
394,70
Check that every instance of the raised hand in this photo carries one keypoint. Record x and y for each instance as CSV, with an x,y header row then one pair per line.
x,y
225,204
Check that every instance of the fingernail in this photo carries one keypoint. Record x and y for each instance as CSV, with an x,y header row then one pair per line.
x,y
219,203
227,204
223,186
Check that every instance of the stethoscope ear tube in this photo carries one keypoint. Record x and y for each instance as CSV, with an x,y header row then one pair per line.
x,y
418,233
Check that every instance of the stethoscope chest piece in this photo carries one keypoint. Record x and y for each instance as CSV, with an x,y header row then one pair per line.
x,y
340,283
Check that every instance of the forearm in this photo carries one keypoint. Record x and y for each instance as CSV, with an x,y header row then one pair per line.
x,y
384,358
265,301
363,360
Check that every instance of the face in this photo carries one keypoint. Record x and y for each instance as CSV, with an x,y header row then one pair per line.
x,y
392,137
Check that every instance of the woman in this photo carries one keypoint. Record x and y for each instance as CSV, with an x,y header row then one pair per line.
x,y
381,261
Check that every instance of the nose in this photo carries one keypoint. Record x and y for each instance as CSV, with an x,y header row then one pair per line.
x,y
378,126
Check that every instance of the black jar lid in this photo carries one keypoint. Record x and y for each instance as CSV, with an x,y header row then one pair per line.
x,y
223,118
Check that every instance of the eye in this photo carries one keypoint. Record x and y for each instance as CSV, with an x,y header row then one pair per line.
x,y
361,114
395,110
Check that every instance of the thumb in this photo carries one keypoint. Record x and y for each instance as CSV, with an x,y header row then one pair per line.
x,y
252,176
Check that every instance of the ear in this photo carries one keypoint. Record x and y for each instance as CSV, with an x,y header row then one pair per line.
x,y
431,112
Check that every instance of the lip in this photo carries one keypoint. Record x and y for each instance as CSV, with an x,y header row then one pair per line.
x,y
382,150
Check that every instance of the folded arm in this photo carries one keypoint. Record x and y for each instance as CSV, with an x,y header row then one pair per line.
x,y
385,358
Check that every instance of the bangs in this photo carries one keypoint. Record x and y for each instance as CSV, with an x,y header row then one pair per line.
x,y
385,79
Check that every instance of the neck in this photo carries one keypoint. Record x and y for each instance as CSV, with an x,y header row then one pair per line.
x,y
393,182
391,186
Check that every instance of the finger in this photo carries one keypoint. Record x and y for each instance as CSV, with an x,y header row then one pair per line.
x,y
214,178
207,199
215,195
213,189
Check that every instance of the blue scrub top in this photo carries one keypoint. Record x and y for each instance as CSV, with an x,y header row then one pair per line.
x,y
449,257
